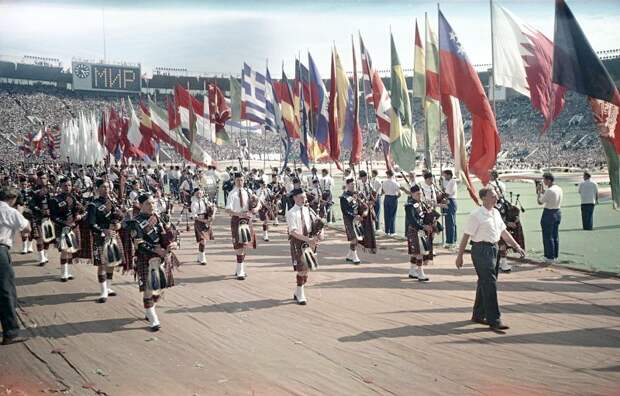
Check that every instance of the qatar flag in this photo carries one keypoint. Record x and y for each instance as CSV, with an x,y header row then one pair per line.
x,y
523,59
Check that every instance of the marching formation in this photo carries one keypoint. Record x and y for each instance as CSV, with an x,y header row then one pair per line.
x,y
120,218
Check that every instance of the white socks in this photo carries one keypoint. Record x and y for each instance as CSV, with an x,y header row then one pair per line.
x,y
109,287
202,257
30,246
421,275
413,271
24,247
151,315
503,264
240,270
42,256
104,289
64,270
353,256
300,295
266,236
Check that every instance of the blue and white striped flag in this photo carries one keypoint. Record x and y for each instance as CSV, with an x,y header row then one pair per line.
x,y
253,106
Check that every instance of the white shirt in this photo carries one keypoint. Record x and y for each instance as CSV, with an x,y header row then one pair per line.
x,y
293,219
326,183
11,221
552,197
375,183
390,187
485,225
199,206
588,190
234,203
429,193
449,187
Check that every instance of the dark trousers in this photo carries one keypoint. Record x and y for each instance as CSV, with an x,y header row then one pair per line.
x,y
8,295
484,256
450,213
390,205
550,223
587,214
377,213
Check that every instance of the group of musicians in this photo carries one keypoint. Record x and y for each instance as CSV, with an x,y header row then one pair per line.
x,y
123,221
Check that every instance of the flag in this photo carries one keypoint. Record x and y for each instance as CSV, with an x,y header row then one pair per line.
x,y
219,112
332,109
419,70
607,120
113,131
380,96
460,80
402,135
235,99
305,130
523,61
149,144
289,116
252,95
575,64
367,73
273,119
175,138
432,109
353,120
192,118
318,100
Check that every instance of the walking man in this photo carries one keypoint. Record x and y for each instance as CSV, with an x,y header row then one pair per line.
x,y
588,190
485,227
391,191
11,221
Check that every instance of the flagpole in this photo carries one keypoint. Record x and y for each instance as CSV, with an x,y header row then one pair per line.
x,y
443,234
427,143
365,104
492,82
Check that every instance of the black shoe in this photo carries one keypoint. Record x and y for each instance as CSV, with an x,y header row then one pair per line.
x,y
13,340
70,277
481,321
64,279
499,326
240,277
111,293
155,328
348,260
101,300
297,301
42,263
203,263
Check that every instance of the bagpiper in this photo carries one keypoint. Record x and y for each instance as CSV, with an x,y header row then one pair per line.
x,y
203,212
154,256
66,211
39,206
418,242
104,218
242,205
265,214
305,230
350,218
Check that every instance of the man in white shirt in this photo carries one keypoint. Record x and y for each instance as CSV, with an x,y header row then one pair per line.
x,y
485,227
238,207
551,199
202,213
11,222
327,184
588,190
375,184
450,188
299,223
391,193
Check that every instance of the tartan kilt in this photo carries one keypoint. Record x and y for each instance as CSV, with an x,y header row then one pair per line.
x,y
348,227
199,229
36,229
265,213
413,241
234,230
369,243
296,254
128,248
98,241
86,241
142,268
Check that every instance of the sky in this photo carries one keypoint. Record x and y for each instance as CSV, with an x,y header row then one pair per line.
x,y
218,36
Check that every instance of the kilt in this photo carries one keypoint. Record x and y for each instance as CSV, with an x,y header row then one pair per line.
x,y
234,229
296,254
348,227
142,269
202,231
98,241
265,213
128,249
86,241
413,243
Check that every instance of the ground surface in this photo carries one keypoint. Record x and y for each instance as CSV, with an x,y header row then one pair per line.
x,y
368,329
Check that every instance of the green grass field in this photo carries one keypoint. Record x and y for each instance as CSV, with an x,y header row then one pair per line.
x,y
597,250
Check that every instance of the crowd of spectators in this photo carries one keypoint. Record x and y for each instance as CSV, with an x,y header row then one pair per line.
x,y
571,141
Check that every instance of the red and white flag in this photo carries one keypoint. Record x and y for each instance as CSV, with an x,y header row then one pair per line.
x,y
523,59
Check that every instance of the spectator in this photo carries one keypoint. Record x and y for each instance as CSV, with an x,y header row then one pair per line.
x,y
588,190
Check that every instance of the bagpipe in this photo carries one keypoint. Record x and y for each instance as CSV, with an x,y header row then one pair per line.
x,y
68,241
308,255
159,272
244,231
111,254
48,231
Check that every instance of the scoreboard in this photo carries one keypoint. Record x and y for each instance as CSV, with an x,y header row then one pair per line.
x,y
108,78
